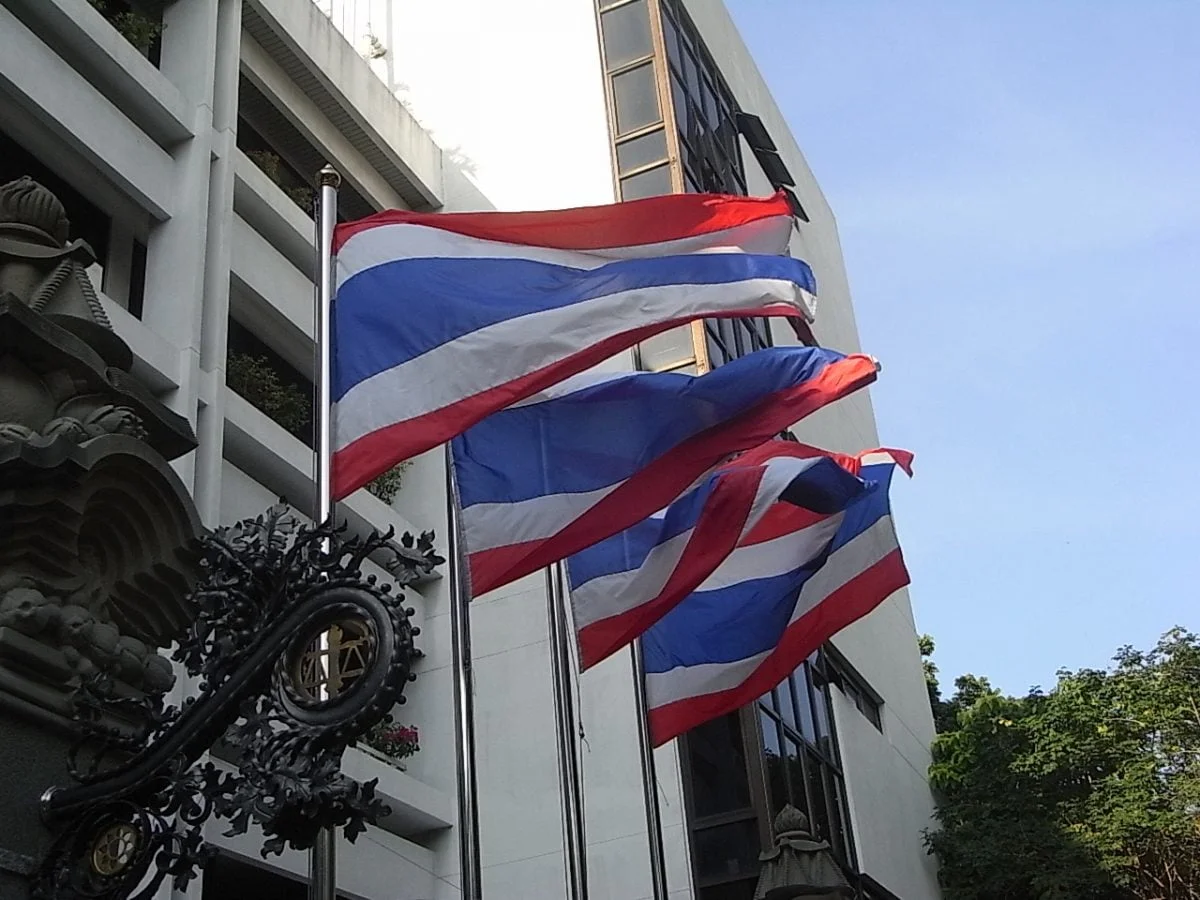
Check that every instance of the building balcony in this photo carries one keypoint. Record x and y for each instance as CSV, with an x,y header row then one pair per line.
x,y
292,56
85,40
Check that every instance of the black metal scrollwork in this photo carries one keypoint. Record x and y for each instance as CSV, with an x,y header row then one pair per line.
x,y
297,654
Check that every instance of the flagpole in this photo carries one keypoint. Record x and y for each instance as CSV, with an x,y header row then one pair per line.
x,y
464,697
322,859
658,860
570,773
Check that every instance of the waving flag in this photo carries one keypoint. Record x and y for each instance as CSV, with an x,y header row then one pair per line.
x,y
623,585
582,460
443,319
792,584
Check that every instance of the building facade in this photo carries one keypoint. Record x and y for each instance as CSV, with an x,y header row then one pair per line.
x,y
183,135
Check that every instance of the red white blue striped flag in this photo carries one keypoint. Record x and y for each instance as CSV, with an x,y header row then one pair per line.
x,y
793,582
593,455
442,319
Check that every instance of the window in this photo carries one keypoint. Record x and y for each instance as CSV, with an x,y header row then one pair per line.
x,y
228,877
722,816
285,156
854,687
800,756
642,152
266,380
705,110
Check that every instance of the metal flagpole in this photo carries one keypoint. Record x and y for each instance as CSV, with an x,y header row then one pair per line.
x,y
464,698
570,774
658,861
322,859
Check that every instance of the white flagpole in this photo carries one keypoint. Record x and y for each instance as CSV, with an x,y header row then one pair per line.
x,y
570,773
658,860
322,859
464,697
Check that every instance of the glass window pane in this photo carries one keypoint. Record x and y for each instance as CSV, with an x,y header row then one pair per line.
x,y
667,349
819,814
717,762
873,713
821,712
777,789
795,773
726,851
729,890
787,709
679,102
641,151
716,350
626,33
840,838
673,41
808,727
636,98
691,72
651,183
710,102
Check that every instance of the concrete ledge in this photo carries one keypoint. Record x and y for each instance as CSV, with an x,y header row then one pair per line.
x,y
264,206
83,119
271,296
77,32
315,56
155,359
416,807
280,462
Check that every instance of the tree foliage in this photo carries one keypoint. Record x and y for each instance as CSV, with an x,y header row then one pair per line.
x,y
1089,790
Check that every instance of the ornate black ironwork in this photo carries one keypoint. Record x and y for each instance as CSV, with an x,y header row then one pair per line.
x,y
269,589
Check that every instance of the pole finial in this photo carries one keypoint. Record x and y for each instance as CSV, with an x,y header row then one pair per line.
x,y
329,177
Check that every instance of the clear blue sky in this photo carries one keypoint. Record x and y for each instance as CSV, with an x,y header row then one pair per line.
x,y
1017,187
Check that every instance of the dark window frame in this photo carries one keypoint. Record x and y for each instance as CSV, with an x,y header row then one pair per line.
x,y
854,687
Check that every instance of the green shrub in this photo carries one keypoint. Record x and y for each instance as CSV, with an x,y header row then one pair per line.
x,y
253,378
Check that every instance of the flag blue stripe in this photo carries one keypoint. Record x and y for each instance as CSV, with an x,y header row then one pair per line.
x,y
394,312
629,549
612,430
748,618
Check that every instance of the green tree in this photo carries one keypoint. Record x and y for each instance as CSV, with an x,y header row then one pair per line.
x,y
1090,790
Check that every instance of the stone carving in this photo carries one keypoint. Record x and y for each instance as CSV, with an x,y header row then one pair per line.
x,y
95,562
97,533
799,865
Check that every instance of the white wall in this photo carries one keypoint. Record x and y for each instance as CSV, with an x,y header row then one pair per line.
x,y
886,774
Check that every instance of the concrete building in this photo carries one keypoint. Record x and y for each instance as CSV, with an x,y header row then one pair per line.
x,y
187,163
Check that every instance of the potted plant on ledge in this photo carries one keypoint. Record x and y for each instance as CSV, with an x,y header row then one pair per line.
x,y
390,743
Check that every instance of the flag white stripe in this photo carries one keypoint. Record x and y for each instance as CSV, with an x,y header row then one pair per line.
x,y
775,557
436,379
389,243
490,525
846,563
620,592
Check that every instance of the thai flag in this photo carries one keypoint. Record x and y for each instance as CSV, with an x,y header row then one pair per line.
x,y
623,585
443,319
795,581
592,455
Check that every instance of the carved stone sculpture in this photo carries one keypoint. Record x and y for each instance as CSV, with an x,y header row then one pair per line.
x,y
799,865
97,532
93,565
